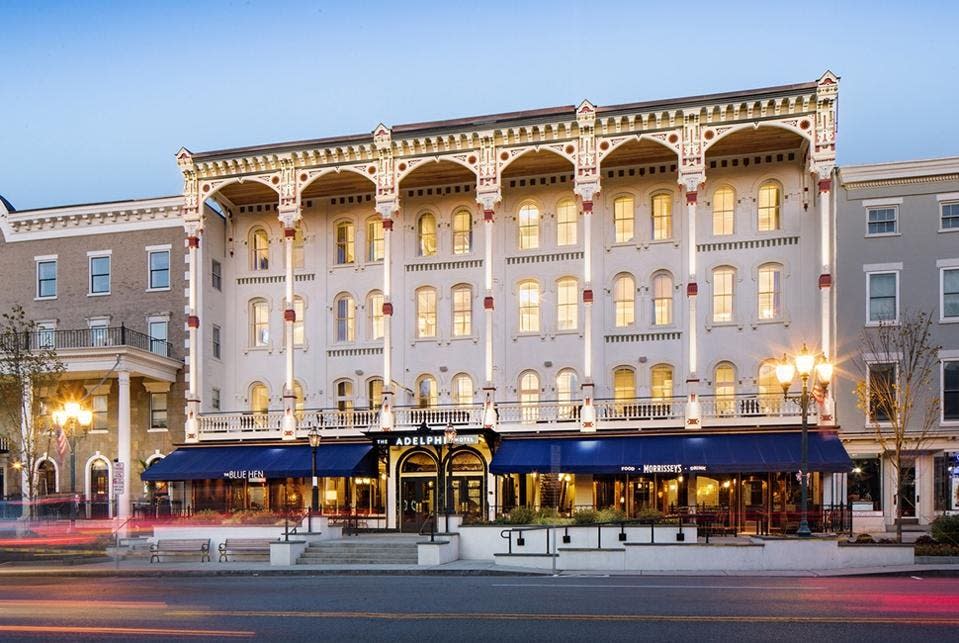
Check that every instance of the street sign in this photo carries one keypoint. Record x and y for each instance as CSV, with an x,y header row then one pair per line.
x,y
118,486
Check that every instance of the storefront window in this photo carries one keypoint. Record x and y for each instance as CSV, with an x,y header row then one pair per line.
x,y
946,482
865,484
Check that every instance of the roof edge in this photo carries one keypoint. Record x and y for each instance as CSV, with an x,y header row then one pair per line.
x,y
891,170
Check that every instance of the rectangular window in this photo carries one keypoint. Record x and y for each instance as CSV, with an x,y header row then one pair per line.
x,y
216,274
462,312
567,313
770,292
215,399
99,332
723,295
100,275
623,219
662,217
950,293
158,337
158,416
426,312
374,239
47,279
865,484
950,216
881,221
883,289
159,269
216,341
99,407
299,325
882,391
950,391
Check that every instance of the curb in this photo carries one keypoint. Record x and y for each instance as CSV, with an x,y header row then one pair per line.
x,y
171,573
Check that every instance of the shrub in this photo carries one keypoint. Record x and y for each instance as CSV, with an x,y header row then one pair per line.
x,y
610,515
925,540
204,515
937,549
863,539
585,516
650,515
253,517
520,516
945,529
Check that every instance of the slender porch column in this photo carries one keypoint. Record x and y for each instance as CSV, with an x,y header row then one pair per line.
x,y
288,218
692,291
825,286
124,453
488,198
387,308
193,229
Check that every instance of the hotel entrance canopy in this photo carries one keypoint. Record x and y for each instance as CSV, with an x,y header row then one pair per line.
x,y
263,461
715,453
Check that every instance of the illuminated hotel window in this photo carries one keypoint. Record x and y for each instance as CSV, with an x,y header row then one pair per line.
x,y
427,394
462,232
624,300
528,306
770,291
462,390
724,387
344,242
567,313
462,310
662,300
374,310
624,218
528,227
426,229
259,250
723,279
770,202
259,323
662,217
374,239
566,215
529,396
344,309
662,381
724,200
259,398
426,312
299,326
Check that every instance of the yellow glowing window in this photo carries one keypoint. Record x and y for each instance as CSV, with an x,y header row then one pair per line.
x,y
374,239
529,396
723,211
566,215
624,301
528,307
462,311
427,234
566,305
724,387
624,384
375,314
426,312
770,292
723,279
624,219
528,227
344,242
462,390
662,217
662,300
770,200
299,325
462,232
662,382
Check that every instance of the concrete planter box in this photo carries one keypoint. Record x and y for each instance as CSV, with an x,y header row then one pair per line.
x,y
445,549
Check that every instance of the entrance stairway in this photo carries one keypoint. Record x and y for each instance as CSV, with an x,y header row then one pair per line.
x,y
367,551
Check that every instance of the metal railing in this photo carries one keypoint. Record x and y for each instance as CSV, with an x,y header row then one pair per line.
x,y
95,337
750,405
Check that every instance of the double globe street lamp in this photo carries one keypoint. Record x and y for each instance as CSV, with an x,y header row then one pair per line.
x,y
314,437
71,419
805,364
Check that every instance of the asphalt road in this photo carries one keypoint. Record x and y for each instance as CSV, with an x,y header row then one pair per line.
x,y
501,608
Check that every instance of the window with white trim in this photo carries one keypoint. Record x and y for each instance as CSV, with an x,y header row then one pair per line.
x,y
344,242
158,410
299,325
46,334
567,308
99,407
259,249
100,275
662,300
47,278
159,261
724,278
462,390
770,291
427,394
882,391
426,312
375,319
528,306
375,244
462,231
159,329
880,221
566,224
661,377
344,395
950,294
529,397
883,293
949,216
950,390
662,205
624,301
528,227
215,399
566,386
344,311
216,337
770,204
724,200
462,310
259,323
624,218
216,275
426,228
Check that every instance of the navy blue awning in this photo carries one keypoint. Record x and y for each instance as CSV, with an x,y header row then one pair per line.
x,y
239,462
716,453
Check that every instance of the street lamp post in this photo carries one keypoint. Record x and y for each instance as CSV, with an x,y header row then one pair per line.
x,y
70,418
314,437
449,436
805,363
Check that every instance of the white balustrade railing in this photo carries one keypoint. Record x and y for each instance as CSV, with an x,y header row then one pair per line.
x,y
561,415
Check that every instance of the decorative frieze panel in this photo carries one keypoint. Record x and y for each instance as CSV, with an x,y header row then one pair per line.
x,y
643,337
747,244
557,256
444,265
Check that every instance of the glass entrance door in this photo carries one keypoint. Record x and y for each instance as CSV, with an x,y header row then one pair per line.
x,y
416,501
908,488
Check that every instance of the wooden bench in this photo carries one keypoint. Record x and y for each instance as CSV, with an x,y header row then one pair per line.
x,y
181,547
244,547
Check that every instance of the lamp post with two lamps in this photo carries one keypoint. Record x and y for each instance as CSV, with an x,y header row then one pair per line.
x,y
314,437
805,364
71,419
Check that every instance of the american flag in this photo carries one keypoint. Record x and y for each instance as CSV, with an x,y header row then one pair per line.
x,y
62,444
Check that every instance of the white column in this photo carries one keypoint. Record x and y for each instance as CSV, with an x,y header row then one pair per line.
x,y
387,308
692,291
825,290
289,319
193,327
588,293
488,298
124,454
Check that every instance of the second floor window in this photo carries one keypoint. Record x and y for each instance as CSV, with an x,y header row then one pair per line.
x,y
99,406
259,250
100,275
950,391
624,384
216,275
374,239
528,307
158,410
770,291
259,324
662,300
723,211
47,278
426,312
624,217
217,342
624,301
374,305
159,269
566,215
770,202
724,387
723,294
344,242
881,221
567,314
662,217
528,227
529,396
950,216
883,396
462,311
345,312
462,232
883,288
158,336
950,293
427,394
299,326
426,228
662,381
462,390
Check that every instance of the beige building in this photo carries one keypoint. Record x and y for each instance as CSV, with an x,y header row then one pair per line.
x,y
105,285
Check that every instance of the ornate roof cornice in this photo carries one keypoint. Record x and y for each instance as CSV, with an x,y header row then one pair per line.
x,y
856,177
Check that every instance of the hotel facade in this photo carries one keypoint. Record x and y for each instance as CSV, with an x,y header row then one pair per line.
x,y
568,307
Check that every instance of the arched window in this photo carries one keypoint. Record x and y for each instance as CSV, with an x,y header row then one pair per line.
x,y
259,323
419,462
462,232
662,299
374,392
374,239
566,386
344,395
46,477
426,312
344,242
624,387
566,223
427,394
299,400
770,291
462,310
662,382
426,233
567,310
259,398
624,218
528,306
724,278
529,396
724,200
299,325
662,216
770,204
724,387
374,315
344,310
528,227
464,461
770,390
259,249
462,390
624,301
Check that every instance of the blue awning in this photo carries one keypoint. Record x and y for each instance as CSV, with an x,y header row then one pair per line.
x,y
245,462
716,453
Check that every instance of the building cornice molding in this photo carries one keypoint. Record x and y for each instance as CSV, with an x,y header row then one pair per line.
x,y
856,177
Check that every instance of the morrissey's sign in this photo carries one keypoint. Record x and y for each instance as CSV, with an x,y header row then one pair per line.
x,y
251,475
658,468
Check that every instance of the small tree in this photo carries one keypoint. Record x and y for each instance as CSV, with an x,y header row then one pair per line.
x,y
28,364
898,364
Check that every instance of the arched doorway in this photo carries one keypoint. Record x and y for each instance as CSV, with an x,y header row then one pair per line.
x,y
466,483
46,478
417,489
99,490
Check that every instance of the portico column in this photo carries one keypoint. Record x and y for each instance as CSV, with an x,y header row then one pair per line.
x,y
387,309
488,297
588,386
692,292
288,218
825,287
124,455
193,229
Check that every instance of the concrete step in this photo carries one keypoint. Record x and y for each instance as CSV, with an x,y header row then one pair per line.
x,y
356,561
360,553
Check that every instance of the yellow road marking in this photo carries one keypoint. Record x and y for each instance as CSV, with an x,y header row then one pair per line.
x,y
128,631
627,618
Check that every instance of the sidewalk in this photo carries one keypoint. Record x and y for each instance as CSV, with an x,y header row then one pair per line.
x,y
141,568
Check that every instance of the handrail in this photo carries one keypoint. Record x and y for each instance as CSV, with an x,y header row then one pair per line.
x,y
430,518
116,543
95,337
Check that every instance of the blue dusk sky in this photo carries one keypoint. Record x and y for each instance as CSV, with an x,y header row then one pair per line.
x,y
97,97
